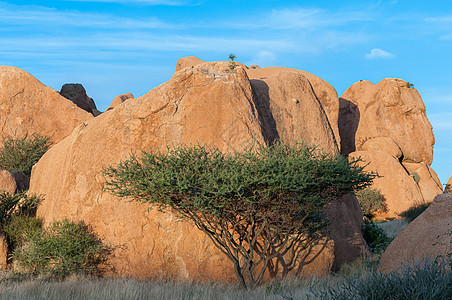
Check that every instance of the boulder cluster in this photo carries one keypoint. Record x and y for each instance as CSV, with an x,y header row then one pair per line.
x,y
226,107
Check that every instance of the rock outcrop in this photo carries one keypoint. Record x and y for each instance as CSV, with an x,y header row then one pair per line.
x,y
119,99
3,251
346,220
22,181
285,98
428,236
77,94
27,107
448,188
391,110
7,181
399,189
188,62
207,104
390,117
275,86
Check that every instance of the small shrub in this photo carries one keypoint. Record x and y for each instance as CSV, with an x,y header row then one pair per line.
x,y
17,230
414,211
16,204
448,189
428,280
409,85
371,202
64,248
23,152
415,177
232,64
375,237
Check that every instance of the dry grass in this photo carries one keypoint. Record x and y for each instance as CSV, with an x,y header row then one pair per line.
x,y
129,288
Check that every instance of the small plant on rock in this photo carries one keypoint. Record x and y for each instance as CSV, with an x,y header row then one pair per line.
x,y
21,153
415,177
232,63
409,85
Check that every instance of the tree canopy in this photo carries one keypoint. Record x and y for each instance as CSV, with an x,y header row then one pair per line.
x,y
253,204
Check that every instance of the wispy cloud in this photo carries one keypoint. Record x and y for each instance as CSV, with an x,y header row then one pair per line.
x,y
141,2
301,18
377,53
26,15
441,121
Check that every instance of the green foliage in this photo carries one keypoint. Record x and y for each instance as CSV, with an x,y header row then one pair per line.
x,y
279,289
62,249
409,85
275,194
371,201
19,228
448,189
375,237
414,211
415,177
427,280
232,63
21,153
16,204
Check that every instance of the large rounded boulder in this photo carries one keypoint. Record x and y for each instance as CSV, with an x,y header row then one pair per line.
x,y
27,106
210,104
427,237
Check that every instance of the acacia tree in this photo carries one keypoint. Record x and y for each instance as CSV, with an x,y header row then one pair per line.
x,y
253,205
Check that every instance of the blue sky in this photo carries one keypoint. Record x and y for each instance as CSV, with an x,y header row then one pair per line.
x,y
117,46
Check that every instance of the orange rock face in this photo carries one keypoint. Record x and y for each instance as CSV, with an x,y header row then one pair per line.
x,y
268,81
208,104
448,188
27,106
390,117
188,62
7,181
426,237
399,189
119,99
3,251
389,109
285,98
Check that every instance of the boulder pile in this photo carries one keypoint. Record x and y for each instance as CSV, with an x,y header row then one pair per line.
x,y
226,106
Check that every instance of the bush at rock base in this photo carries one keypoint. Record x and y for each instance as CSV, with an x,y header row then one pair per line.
x,y
18,228
21,153
375,237
15,204
414,211
371,202
62,249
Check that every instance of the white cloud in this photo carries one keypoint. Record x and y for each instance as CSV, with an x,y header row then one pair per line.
x,y
263,59
37,16
379,53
